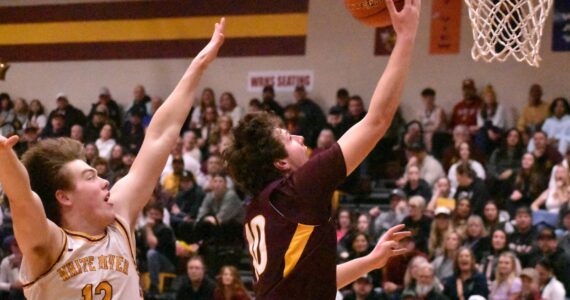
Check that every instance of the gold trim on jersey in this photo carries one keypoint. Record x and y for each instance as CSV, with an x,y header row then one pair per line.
x,y
122,228
54,263
296,247
85,236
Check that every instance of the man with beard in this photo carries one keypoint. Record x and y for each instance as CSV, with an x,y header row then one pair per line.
x,y
427,286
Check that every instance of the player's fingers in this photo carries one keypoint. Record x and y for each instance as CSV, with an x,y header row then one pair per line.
x,y
401,251
12,140
391,7
398,236
394,229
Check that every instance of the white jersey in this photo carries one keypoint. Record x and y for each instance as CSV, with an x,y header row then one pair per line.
x,y
89,268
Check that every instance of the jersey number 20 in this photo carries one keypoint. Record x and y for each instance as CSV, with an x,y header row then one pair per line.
x,y
255,233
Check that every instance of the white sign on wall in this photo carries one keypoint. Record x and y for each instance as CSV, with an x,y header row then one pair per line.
x,y
282,81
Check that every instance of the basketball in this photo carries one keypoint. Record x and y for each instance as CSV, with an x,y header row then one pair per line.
x,y
372,12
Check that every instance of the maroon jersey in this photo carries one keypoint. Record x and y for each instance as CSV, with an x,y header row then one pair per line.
x,y
290,233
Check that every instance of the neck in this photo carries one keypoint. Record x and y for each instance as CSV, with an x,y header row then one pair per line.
x,y
465,274
80,224
196,283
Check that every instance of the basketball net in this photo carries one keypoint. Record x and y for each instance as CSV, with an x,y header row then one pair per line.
x,y
503,28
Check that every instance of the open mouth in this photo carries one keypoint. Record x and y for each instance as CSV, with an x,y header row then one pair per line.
x,y
107,197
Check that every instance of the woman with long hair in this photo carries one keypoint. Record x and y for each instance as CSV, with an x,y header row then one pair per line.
x,y
555,126
492,218
207,99
499,244
21,111
465,157
441,195
229,285
476,239
37,117
229,107
466,280
444,263
344,225
555,196
7,115
529,183
507,284
491,120
505,162
440,226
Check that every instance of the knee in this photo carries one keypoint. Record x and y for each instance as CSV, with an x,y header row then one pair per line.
x,y
151,254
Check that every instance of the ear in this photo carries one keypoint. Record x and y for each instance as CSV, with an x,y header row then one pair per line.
x,y
282,165
62,197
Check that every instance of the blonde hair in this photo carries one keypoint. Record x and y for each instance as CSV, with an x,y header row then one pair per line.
x,y
419,200
408,276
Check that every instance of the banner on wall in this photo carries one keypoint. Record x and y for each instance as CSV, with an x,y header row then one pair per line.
x,y
124,29
282,81
385,41
561,30
445,27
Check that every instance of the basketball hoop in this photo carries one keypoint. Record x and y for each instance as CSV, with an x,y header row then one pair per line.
x,y
503,28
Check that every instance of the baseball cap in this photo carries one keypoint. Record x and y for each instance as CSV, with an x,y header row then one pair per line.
x,y
104,91
398,192
530,273
60,95
468,83
547,233
442,210
300,88
335,111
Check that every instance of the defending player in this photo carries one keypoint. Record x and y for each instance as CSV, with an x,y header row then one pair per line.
x,y
77,237
288,226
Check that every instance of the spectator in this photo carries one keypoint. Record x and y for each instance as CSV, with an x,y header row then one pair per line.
x,y
462,213
27,140
383,220
58,127
546,156
37,117
311,114
430,168
103,169
529,288
155,103
21,112
10,284
222,136
106,141
450,154
476,240
354,114
133,132
418,223
221,208
141,102
207,99
362,289
77,133
442,195
230,285
466,280
171,182
432,117
214,165
444,262
465,157
325,140
196,285
505,162
96,122
471,187
555,196
190,146
499,245
269,103
528,185
72,115
411,275
209,126
344,226
465,111
254,106
550,287
564,239
493,219
440,227
522,240
535,112
415,185
107,101
393,273
427,287
491,120
342,100
184,211
507,284
555,126
161,256
363,224
549,249
229,107
91,153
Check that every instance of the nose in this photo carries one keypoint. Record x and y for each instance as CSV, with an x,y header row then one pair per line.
x,y
300,139
105,183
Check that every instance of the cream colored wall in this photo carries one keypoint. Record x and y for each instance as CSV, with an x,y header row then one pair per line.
x,y
339,50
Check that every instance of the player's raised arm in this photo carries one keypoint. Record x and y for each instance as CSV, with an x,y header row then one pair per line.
x,y
359,140
130,194
39,239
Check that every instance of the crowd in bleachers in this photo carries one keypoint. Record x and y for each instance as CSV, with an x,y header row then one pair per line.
x,y
487,203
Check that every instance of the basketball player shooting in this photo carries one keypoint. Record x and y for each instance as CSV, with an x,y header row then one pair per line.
x,y
77,237
288,227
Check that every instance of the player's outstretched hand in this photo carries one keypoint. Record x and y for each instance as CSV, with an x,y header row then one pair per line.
x,y
8,143
405,21
209,53
389,246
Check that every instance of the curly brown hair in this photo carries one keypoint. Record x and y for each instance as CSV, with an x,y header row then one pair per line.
x,y
254,150
44,163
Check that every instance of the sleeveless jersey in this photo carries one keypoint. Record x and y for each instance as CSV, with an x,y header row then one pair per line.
x,y
89,268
